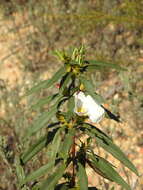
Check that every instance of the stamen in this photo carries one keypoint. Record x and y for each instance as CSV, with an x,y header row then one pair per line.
x,y
81,110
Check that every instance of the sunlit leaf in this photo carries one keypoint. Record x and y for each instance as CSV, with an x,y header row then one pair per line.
x,y
19,171
68,140
104,65
90,90
43,101
107,170
43,119
38,146
41,122
47,83
82,177
71,105
55,145
65,80
39,172
105,142
93,68
52,180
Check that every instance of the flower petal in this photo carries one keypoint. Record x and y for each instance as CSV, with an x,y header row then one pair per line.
x,y
86,105
94,111
79,101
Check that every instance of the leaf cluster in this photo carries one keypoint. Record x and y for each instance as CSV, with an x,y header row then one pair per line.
x,y
63,137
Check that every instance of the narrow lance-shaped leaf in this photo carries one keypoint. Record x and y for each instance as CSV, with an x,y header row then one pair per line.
x,y
111,115
93,67
38,146
105,64
41,121
63,186
35,187
70,106
107,170
47,83
64,82
68,140
90,89
34,149
19,171
38,173
55,145
82,177
43,101
52,180
105,142
98,171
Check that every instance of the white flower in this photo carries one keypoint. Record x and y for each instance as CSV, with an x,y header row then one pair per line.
x,y
87,106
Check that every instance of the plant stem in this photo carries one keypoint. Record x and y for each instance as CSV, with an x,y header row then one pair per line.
x,y
73,165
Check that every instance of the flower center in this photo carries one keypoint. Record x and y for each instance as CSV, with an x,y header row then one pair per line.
x,y
81,110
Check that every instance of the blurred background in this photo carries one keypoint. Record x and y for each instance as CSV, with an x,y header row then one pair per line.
x,y
30,31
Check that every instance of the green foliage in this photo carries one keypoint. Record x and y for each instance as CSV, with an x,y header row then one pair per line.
x,y
89,89
105,169
53,179
38,173
106,143
48,83
103,65
56,24
38,146
66,145
20,172
82,177
41,121
61,136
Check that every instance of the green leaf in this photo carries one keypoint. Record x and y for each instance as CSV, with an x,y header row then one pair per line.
x,y
90,90
104,65
107,170
43,119
96,131
35,187
55,145
62,186
98,171
68,140
105,142
93,68
52,180
82,177
40,172
43,101
38,146
34,149
64,82
47,83
41,122
111,115
71,105
19,171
